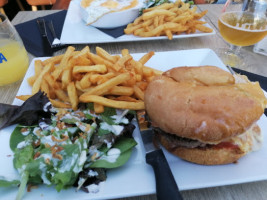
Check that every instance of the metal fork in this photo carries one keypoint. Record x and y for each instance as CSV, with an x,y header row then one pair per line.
x,y
56,42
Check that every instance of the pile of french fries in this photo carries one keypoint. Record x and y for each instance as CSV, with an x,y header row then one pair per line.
x,y
82,76
168,19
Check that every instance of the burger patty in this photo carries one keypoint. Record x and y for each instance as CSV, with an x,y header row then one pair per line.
x,y
176,141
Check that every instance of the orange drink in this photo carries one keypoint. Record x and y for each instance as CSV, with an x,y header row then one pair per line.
x,y
13,61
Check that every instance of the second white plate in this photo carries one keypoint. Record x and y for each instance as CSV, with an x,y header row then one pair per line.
x,y
75,31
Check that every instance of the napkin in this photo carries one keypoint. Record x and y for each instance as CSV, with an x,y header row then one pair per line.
x,y
115,32
30,34
31,37
254,77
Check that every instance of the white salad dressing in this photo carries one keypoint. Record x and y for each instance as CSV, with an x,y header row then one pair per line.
x,y
68,163
44,125
26,132
93,188
119,118
46,106
112,155
69,116
43,169
22,144
92,173
116,129
82,158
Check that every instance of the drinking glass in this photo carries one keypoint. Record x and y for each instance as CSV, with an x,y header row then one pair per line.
x,y
239,29
14,59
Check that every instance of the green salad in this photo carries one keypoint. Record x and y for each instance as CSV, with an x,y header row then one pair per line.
x,y
153,3
71,148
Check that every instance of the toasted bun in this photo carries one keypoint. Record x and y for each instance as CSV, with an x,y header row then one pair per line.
x,y
203,103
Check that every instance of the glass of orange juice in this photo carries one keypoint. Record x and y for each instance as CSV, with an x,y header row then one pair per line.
x,y
239,29
14,59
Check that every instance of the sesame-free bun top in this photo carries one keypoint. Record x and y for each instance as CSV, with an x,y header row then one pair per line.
x,y
203,103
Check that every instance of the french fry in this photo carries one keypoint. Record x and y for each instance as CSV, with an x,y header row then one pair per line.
x,y
55,60
66,78
139,105
157,12
83,52
84,82
103,88
59,104
92,68
98,108
162,6
146,57
23,97
203,28
38,66
120,63
121,91
37,84
139,93
168,19
125,98
88,77
56,73
72,93
50,80
61,95
104,54
99,60
155,71
124,52
45,87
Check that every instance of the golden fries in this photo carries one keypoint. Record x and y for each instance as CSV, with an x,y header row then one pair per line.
x,y
116,81
168,19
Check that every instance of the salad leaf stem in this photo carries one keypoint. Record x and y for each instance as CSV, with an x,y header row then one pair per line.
x,y
23,184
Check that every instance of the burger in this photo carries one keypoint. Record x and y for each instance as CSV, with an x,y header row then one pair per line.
x,y
205,115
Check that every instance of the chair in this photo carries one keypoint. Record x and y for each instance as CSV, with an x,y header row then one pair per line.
x,y
42,3
61,5
2,3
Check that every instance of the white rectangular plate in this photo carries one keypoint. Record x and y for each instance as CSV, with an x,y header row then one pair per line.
x,y
75,31
136,177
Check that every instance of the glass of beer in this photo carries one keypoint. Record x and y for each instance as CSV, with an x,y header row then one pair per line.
x,y
239,29
14,59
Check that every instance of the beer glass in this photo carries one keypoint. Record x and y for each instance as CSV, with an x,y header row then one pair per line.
x,y
239,29
14,59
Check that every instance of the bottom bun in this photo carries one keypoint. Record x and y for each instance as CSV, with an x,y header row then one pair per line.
x,y
204,155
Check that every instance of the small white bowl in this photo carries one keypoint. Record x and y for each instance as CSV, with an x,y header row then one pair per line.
x,y
116,19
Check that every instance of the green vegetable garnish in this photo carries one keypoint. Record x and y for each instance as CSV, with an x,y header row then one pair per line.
x,y
73,145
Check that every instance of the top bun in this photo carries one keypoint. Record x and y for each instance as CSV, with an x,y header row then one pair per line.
x,y
203,103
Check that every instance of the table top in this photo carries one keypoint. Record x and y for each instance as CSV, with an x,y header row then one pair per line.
x,y
255,63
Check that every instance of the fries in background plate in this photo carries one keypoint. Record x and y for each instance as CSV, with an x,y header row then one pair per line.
x,y
168,19
82,76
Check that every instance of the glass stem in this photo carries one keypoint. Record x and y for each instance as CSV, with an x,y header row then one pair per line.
x,y
235,49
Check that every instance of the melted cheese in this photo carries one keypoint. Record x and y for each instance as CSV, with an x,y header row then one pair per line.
x,y
251,140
